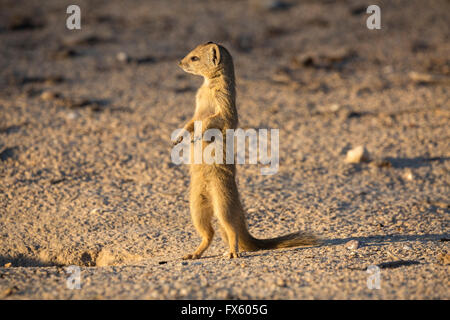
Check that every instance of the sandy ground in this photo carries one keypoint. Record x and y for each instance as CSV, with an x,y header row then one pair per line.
x,y
86,176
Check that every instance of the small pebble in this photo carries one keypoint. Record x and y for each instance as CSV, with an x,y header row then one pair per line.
x,y
49,95
122,57
334,107
71,115
96,210
357,155
8,265
184,291
352,245
281,282
408,175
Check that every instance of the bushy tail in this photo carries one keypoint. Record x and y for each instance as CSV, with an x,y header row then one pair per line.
x,y
249,243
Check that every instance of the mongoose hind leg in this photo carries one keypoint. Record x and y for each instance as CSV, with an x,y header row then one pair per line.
x,y
202,214
224,235
231,235
223,211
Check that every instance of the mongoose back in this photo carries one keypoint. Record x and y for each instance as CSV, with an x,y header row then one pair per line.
x,y
213,188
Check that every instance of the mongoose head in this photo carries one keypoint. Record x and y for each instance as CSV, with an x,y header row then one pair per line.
x,y
207,60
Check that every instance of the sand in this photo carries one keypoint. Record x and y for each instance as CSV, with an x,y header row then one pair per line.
x,y
86,177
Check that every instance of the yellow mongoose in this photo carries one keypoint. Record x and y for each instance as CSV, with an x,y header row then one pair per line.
x,y
213,189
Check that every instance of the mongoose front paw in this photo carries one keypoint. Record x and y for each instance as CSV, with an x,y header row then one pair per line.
x,y
177,141
191,256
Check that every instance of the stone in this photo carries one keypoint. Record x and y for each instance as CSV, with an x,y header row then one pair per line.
x,y
352,245
357,155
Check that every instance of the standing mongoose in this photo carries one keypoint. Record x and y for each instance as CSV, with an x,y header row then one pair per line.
x,y
213,189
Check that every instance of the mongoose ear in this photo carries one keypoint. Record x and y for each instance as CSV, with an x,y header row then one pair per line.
x,y
215,54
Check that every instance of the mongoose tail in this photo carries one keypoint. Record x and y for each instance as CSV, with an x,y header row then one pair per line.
x,y
296,239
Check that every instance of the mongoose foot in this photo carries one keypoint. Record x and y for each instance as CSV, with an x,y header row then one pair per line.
x,y
191,256
232,255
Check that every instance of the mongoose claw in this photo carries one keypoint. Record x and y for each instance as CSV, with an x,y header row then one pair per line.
x,y
232,255
191,256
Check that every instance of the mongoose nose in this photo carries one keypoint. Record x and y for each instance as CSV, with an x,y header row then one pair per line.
x,y
179,63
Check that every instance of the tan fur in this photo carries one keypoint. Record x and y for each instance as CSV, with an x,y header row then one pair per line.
x,y
213,189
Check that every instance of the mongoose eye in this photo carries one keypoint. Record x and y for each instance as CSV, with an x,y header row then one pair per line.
x,y
195,58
